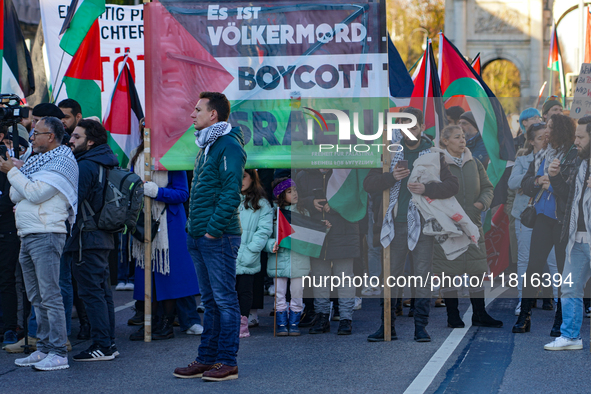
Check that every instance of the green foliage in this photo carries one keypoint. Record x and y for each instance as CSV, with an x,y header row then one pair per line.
x,y
409,20
502,77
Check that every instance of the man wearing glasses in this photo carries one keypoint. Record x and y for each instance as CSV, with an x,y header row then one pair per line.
x,y
45,191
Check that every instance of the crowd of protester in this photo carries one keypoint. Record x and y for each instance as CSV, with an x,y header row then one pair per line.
x,y
218,238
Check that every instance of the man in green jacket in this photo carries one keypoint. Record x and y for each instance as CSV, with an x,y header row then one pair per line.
x,y
214,236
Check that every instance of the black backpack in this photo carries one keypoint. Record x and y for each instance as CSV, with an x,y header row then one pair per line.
x,y
123,199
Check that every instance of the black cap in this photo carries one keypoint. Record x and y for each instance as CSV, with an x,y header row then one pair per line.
x,y
48,109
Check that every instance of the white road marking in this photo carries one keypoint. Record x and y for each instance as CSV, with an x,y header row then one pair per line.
x,y
424,379
123,307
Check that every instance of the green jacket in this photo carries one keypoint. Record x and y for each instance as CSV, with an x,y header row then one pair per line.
x,y
290,264
257,227
474,187
215,190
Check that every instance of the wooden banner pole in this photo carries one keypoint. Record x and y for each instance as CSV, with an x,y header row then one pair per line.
x,y
147,235
386,253
147,242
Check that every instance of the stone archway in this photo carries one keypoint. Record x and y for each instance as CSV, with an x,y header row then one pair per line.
x,y
512,30
503,77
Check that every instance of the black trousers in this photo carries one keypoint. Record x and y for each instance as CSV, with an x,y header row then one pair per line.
x,y
258,284
9,250
94,288
244,290
545,235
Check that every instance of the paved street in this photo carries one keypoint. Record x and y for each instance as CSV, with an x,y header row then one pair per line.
x,y
486,360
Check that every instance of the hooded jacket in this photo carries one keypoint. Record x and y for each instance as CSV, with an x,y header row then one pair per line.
x,y
91,189
216,186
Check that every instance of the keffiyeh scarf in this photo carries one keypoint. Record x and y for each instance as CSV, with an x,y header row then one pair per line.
x,y
209,135
160,246
581,191
548,154
57,168
413,217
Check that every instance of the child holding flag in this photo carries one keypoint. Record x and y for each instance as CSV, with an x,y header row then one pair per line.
x,y
286,263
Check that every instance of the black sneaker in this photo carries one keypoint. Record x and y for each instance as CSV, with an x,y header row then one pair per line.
x,y
345,327
96,353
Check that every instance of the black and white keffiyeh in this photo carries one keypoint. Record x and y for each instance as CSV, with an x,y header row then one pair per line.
x,y
413,217
209,135
581,191
548,154
57,168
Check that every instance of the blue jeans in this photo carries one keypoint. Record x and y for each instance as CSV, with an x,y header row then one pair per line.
x,y
186,308
572,295
523,244
125,272
32,325
215,262
67,290
40,261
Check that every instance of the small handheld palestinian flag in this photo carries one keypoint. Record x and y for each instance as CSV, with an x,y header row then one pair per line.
x,y
300,233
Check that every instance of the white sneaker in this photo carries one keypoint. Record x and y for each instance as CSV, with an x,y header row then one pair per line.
x,y
52,362
563,343
358,301
272,290
368,291
33,358
120,286
129,286
253,320
195,329
518,309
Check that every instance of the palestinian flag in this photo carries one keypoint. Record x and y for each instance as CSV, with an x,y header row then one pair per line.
x,y
84,76
345,193
122,117
79,19
458,78
476,64
16,68
555,62
300,233
426,95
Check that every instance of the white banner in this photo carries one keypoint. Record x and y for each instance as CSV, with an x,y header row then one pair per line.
x,y
122,30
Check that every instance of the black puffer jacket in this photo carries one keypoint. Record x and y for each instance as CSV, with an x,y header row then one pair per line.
x,y
342,241
91,188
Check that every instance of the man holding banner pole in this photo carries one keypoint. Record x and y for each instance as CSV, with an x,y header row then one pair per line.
x,y
214,236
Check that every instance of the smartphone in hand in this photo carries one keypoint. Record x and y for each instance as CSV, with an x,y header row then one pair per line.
x,y
402,165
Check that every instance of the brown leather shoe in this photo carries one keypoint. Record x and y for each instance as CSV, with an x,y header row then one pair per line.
x,y
220,372
193,370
